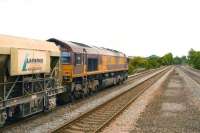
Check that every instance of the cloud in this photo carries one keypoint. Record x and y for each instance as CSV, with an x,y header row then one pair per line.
x,y
134,27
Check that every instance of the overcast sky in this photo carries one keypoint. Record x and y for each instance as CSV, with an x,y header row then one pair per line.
x,y
136,27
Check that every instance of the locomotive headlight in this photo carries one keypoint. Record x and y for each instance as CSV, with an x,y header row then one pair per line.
x,y
66,78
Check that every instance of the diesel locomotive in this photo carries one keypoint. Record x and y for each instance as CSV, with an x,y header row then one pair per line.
x,y
37,75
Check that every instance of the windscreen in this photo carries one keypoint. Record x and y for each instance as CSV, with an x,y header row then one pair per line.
x,y
65,58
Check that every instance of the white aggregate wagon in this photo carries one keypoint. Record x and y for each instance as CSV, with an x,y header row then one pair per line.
x,y
29,77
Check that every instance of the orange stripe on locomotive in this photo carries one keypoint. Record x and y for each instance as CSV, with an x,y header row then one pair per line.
x,y
83,60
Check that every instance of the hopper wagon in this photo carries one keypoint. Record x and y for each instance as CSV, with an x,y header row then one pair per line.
x,y
29,77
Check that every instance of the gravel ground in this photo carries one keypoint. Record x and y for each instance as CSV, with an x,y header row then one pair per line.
x,y
58,117
171,110
126,121
193,85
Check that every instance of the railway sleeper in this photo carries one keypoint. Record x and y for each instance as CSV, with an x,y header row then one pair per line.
x,y
85,124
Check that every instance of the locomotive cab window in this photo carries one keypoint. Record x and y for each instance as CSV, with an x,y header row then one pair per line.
x,y
78,59
92,64
65,58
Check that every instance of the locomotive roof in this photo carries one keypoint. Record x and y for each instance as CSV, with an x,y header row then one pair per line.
x,y
8,42
78,48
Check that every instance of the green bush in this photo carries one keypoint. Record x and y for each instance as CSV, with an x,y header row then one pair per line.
x,y
140,63
194,58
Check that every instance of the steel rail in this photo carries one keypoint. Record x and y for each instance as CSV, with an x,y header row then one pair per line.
x,y
131,78
96,116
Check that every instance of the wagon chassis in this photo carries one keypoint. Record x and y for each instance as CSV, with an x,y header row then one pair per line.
x,y
34,90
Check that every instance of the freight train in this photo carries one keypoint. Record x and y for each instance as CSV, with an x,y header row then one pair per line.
x,y
37,75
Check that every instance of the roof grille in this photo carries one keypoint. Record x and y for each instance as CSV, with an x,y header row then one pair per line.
x,y
81,44
111,50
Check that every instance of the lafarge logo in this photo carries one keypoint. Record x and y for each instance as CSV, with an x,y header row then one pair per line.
x,y
31,63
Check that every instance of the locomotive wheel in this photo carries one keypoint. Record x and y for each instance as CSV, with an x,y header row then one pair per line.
x,y
115,81
118,82
3,117
2,123
64,98
77,95
91,92
85,92
97,88
72,97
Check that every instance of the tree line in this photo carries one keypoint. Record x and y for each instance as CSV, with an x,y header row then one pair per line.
x,y
143,63
193,58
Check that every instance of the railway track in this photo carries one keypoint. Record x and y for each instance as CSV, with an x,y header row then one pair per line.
x,y
131,78
96,119
194,76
